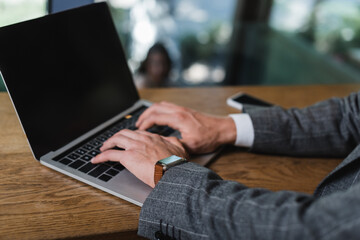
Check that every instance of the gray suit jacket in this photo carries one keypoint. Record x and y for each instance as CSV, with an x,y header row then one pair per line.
x,y
192,202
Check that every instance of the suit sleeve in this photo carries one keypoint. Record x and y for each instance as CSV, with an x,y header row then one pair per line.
x,y
192,202
327,129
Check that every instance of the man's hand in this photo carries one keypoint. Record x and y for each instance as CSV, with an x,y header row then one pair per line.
x,y
141,152
201,133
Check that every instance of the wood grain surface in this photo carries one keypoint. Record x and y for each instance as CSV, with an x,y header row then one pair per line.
x,y
39,203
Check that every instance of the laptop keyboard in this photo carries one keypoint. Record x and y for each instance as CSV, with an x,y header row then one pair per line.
x,y
79,157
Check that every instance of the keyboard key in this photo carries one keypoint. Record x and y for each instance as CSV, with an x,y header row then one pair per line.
x,y
105,177
132,128
154,129
119,167
86,158
81,151
108,134
112,172
110,163
87,167
99,170
121,127
88,147
81,157
102,138
77,164
167,131
94,153
95,143
66,161
161,130
114,130
73,156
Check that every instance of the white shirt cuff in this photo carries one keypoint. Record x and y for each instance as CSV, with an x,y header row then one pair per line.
x,y
244,130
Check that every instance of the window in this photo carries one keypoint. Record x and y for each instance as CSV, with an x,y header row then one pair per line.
x,y
233,42
13,11
195,33
323,37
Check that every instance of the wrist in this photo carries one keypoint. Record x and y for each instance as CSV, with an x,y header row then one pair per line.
x,y
227,131
165,164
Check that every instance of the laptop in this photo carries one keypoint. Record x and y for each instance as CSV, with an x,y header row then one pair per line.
x,y
69,81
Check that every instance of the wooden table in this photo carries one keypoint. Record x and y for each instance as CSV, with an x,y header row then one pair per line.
x,y
38,203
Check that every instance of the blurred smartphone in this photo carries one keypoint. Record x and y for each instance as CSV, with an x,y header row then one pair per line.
x,y
244,102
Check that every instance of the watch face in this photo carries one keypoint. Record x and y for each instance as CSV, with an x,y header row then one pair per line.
x,y
169,160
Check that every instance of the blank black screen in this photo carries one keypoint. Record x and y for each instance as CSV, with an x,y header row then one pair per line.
x,y
66,74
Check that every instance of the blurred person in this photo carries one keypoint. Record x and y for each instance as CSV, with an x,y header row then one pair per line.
x,y
155,69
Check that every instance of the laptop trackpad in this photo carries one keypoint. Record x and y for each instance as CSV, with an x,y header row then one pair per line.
x,y
130,187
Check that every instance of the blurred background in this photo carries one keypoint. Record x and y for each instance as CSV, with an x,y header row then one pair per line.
x,y
188,43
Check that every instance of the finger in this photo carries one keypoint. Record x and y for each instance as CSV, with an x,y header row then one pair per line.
x,y
160,119
156,108
109,155
175,107
137,135
118,140
169,104
135,139
143,132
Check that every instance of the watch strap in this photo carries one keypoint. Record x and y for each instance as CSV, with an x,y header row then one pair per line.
x,y
159,172
164,164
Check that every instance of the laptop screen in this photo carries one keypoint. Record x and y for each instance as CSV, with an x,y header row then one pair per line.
x,y
66,74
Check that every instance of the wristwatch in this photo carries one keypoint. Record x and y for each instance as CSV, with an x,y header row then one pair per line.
x,y
164,164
